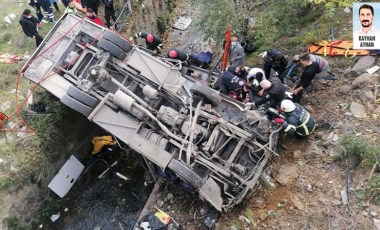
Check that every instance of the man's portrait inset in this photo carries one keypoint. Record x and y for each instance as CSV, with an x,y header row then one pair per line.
x,y
366,35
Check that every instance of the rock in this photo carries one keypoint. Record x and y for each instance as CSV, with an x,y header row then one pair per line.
x,y
312,149
358,110
366,96
364,213
297,202
344,89
233,228
362,65
335,138
364,79
377,110
376,222
297,154
373,214
336,203
309,188
370,108
286,173
263,216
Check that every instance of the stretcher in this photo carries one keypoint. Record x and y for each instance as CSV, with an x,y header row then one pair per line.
x,y
337,48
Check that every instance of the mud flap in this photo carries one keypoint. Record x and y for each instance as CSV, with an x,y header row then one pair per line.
x,y
211,192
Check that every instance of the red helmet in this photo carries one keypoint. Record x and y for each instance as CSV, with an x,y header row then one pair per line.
x,y
172,54
149,38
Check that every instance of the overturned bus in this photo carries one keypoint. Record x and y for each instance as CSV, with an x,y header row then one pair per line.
x,y
176,122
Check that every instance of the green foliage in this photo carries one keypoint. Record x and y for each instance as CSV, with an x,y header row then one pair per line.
x,y
251,217
5,183
52,207
163,21
5,37
333,5
371,190
14,224
220,14
279,19
356,150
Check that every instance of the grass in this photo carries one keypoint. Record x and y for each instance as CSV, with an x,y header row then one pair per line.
x,y
357,150
22,156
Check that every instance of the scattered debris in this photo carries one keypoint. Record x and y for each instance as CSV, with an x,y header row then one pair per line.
x,y
182,23
373,69
344,196
55,217
67,175
10,58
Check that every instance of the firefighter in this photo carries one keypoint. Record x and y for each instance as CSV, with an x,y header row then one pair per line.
x,y
177,54
298,120
152,42
232,85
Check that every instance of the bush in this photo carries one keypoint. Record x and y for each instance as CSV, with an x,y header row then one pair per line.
x,y
357,149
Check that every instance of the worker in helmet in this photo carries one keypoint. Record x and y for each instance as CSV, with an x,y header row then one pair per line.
x,y
298,120
232,85
152,42
177,54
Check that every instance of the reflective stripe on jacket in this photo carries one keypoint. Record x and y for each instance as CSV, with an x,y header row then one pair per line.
x,y
299,121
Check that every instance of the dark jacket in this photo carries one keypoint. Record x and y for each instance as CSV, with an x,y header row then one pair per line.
x,y
93,4
156,44
308,74
299,121
108,5
242,74
275,60
180,55
229,82
29,25
275,94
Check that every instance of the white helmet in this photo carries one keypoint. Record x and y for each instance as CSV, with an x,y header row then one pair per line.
x,y
288,106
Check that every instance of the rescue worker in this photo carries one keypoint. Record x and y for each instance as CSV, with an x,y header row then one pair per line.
x,y
177,54
323,64
37,8
152,42
275,60
110,12
311,69
93,4
93,17
46,5
232,85
29,25
273,91
253,74
298,120
236,52
239,71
